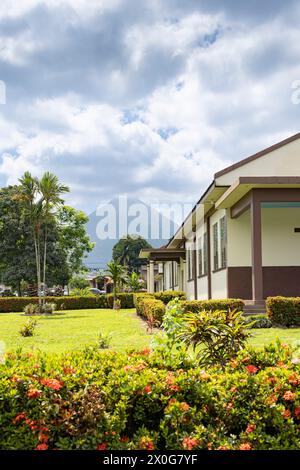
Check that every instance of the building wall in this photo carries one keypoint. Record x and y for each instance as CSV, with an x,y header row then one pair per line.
x,y
280,243
239,240
190,286
202,282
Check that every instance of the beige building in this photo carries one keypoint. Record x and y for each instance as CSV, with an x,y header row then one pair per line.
x,y
242,239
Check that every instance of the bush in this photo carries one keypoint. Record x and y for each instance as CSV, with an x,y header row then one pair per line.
x,y
104,340
105,400
31,309
284,311
149,308
212,305
218,337
169,295
17,304
258,321
29,328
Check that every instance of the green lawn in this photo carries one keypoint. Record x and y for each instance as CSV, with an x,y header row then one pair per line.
x,y
76,329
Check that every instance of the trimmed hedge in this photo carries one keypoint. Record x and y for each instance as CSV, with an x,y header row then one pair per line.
x,y
90,400
284,311
150,308
17,304
260,321
211,305
169,295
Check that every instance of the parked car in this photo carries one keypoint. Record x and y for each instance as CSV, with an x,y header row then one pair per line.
x,y
95,291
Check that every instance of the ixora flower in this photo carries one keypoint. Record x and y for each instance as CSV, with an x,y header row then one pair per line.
x,y
52,383
146,443
286,414
245,446
297,412
147,389
251,369
289,396
294,379
34,393
41,447
250,428
102,446
188,443
20,417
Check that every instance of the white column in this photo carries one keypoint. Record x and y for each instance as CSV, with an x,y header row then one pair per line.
x,y
151,277
184,275
148,281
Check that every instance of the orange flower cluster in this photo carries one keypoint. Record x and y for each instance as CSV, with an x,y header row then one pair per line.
x,y
245,446
54,384
289,396
250,428
251,369
189,443
146,443
34,393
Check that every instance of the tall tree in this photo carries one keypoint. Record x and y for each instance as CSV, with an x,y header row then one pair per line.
x,y
51,191
117,272
126,252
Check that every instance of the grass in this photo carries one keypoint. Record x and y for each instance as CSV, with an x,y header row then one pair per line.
x,y
76,329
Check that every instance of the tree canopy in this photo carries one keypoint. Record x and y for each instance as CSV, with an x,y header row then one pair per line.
x,y
126,252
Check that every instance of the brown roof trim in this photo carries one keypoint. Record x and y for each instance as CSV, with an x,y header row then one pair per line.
x,y
269,180
258,155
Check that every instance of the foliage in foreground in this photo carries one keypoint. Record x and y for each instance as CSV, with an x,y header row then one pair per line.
x,y
108,400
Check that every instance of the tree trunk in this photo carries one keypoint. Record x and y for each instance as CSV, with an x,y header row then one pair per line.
x,y
45,262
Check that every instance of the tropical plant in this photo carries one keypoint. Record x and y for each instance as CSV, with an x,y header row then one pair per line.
x,y
104,340
29,328
134,282
216,337
117,272
39,197
50,190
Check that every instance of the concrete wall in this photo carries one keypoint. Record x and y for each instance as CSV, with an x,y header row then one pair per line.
x,y
280,244
239,240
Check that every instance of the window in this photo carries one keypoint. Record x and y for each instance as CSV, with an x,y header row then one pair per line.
x,y
223,242
216,245
220,244
175,271
205,257
200,256
190,263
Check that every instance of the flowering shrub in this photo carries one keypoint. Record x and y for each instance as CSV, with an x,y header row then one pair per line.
x,y
108,400
28,328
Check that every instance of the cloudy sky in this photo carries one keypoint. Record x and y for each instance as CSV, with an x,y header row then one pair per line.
x,y
146,98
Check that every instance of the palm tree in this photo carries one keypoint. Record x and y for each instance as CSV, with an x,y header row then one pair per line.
x,y
28,194
39,198
117,272
51,191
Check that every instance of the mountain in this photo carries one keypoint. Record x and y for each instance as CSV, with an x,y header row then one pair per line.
x,y
123,216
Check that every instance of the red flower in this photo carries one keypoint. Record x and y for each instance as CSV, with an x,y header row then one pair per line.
x,y
297,412
286,414
34,393
251,369
289,396
146,443
43,437
294,379
189,443
102,446
222,448
41,447
245,446
68,370
124,439
250,428
19,417
147,389
52,383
